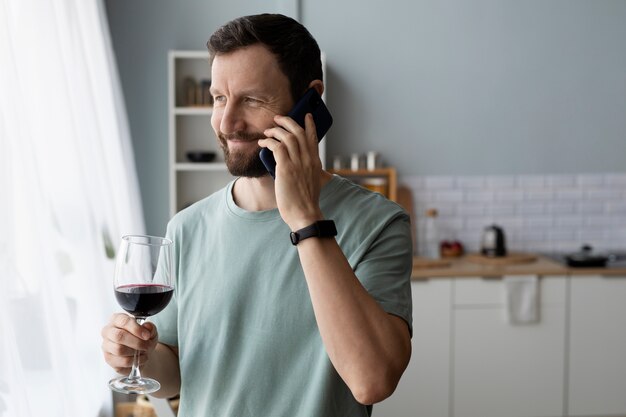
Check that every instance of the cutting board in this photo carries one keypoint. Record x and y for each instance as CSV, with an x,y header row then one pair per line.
x,y
511,259
405,199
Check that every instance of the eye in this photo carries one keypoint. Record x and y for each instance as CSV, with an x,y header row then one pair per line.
x,y
252,100
219,99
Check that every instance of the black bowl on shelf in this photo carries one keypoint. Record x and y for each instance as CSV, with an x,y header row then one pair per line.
x,y
200,156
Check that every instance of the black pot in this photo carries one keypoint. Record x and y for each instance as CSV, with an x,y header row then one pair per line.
x,y
586,258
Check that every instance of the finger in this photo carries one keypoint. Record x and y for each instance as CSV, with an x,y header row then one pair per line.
x,y
123,364
311,156
122,337
151,327
311,133
115,349
283,145
129,323
289,124
305,135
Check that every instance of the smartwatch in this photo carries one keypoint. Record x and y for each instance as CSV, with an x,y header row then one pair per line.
x,y
321,228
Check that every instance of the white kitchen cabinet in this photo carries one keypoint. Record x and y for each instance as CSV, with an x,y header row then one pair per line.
x,y
424,388
597,347
501,369
190,130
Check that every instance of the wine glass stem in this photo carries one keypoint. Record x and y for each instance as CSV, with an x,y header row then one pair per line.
x,y
134,371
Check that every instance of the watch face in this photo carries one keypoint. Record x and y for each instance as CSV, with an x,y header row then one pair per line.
x,y
327,228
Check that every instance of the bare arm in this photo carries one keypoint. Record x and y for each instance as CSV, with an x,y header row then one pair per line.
x,y
122,336
368,347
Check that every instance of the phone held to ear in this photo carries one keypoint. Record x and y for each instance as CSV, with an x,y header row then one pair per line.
x,y
312,103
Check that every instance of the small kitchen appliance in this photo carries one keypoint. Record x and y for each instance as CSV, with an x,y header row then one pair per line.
x,y
493,242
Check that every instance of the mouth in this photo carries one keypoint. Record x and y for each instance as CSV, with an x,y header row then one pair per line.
x,y
240,139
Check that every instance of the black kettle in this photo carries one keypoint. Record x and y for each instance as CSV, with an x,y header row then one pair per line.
x,y
493,242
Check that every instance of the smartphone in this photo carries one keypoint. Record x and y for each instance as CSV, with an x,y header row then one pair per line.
x,y
311,102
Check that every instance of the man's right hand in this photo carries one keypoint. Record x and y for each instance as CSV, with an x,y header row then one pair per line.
x,y
122,336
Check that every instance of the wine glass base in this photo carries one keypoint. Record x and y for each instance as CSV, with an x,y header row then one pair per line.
x,y
126,385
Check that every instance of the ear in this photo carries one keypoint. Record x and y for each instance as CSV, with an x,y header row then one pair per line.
x,y
318,85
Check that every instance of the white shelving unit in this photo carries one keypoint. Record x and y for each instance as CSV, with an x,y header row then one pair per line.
x,y
190,130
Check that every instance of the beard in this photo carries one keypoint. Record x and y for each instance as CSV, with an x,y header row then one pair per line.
x,y
242,163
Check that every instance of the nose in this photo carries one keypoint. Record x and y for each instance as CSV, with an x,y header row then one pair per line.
x,y
230,118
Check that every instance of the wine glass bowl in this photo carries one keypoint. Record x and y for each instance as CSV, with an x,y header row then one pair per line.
x,y
143,285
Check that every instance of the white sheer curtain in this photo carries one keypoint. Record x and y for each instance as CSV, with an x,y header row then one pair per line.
x,y
68,191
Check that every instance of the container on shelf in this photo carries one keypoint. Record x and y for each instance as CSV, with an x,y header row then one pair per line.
x,y
372,161
376,184
431,235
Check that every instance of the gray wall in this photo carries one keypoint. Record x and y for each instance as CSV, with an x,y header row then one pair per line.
x,y
438,87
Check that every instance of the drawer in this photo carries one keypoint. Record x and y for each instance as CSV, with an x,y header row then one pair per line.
x,y
490,292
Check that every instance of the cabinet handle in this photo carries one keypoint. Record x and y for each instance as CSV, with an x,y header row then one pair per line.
x,y
492,277
613,276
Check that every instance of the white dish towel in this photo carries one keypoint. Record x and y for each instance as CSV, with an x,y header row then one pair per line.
x,y
522,299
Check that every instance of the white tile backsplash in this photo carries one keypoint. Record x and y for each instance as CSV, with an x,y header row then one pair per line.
x,y
560,208
617,180
536,194
590,180
538,212
529,208
616,207
614,193
470,182
482,196
531,181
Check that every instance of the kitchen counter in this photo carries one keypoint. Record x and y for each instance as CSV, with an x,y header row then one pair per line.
x,y
463,267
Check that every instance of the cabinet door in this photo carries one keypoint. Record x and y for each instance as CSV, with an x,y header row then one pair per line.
x,y
424,388
505,370
597,375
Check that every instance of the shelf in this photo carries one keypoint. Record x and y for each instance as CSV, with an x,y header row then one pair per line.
x,y
200,166
388,174
193,111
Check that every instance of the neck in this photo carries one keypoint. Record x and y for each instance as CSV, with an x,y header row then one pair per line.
x,y
257,194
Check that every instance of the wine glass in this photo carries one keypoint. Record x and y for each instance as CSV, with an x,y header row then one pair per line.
x,y
143,287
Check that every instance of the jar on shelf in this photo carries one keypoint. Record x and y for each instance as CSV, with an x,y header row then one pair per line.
x,y
356,162
372,161
376,184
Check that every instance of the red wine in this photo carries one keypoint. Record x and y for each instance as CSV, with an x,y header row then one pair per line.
x,y
143,300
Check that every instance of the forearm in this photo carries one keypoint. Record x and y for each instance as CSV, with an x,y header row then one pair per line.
x,y
368,347
164,367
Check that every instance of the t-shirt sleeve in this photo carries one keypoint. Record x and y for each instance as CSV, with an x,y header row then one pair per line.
x,y
385,268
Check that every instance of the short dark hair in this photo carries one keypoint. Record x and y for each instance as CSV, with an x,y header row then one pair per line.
x,y
296,51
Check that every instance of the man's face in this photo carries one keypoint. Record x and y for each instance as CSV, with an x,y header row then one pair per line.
x,y
248,89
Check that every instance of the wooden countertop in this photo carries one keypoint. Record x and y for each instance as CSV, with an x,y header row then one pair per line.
x,y
464,267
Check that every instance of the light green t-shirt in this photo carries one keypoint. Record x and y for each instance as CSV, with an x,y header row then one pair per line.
x,y
241,314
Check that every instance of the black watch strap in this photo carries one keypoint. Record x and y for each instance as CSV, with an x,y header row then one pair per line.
x,y
321,228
